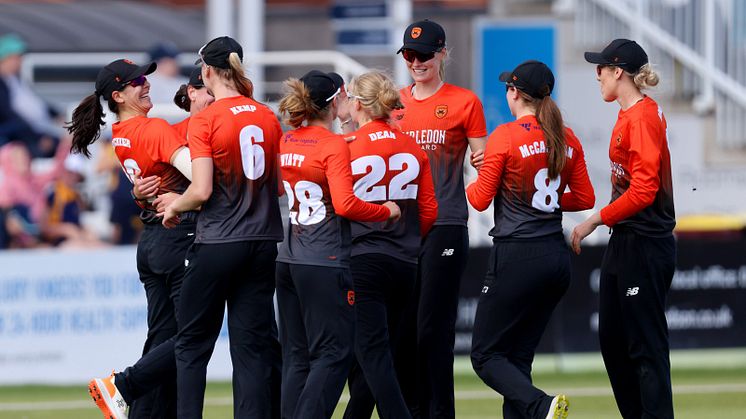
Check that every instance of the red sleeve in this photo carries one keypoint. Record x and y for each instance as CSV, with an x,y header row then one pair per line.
x,y
481,192
181,127
581,196
162,140
426,202
339,176
644,163
475,124
200,130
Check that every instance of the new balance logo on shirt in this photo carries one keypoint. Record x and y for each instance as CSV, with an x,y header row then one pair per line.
x,y
447,252
632,291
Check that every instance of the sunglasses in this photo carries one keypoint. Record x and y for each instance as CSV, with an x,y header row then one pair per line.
x,y
138,81
600,67
410,55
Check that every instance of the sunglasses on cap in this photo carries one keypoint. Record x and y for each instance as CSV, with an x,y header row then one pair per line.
x,y
410,55
137,81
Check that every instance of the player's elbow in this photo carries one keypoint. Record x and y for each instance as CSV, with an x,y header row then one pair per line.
x,y
202,192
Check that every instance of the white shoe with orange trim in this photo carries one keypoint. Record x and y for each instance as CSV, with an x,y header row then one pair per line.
x,y
107,397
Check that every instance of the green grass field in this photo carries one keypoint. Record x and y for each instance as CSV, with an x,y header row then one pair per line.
x,y
718,393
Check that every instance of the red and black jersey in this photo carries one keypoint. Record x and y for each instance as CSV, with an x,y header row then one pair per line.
x,y
240,135
181,127
441,124
642,189
389,165
315,167
527,203
146,145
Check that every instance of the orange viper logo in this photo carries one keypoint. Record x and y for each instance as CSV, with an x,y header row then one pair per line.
x,y
128,61
416,31
441,111
351,298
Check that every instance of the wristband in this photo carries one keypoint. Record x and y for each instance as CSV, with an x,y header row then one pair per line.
x,y
132,193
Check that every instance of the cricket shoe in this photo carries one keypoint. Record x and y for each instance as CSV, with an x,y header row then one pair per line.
x,y
107,397
559,407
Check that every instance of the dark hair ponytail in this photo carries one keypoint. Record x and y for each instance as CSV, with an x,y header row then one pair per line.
x,y
85,127
550,120
181,98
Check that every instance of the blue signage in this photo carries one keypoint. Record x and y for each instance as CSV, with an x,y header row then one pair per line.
x,y
501,46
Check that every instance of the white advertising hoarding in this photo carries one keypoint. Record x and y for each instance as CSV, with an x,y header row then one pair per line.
x,y
69,315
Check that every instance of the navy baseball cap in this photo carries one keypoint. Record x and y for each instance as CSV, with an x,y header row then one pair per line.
x,y
216,52
195,78
424,36
115,76
623,53
532,77
323,87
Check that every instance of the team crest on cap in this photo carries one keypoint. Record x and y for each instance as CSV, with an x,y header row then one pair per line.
x,y
416,31
128,61
515,78
117,79
441,111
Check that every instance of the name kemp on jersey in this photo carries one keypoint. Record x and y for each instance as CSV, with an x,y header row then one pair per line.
x,y
242,108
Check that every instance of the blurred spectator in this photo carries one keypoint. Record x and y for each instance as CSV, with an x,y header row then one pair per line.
x,y
61,225
166,79
125,214
24,116
22,194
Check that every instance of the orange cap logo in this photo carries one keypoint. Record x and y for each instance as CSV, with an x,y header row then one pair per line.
x,y
416,31
441,111
128,61
515,78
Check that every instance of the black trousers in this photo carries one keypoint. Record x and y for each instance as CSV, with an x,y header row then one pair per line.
x,y
316,330
636,275
160,263
525,281
240,274
443,258
384,287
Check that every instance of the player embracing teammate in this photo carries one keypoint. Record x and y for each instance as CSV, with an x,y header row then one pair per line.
x,y
376,241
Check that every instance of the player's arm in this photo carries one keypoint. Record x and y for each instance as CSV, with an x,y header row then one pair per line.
x,y
182,161
477,146
198,192
481,192
645,161
426,202
581,195
339,175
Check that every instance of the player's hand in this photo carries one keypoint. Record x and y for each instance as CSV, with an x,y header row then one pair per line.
x,y
146,188
170,217
164,200
582,231
477,159
395,210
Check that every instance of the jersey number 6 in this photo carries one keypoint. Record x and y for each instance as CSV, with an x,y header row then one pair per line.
x,y
252,154
399,187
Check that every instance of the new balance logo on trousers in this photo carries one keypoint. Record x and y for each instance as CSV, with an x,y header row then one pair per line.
x,y
447,252
632,291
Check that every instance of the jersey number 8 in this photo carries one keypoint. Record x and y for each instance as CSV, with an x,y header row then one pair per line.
x,y
252,154
545,198
399,187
